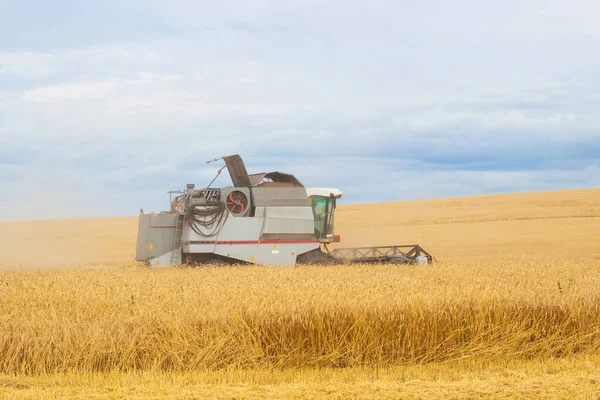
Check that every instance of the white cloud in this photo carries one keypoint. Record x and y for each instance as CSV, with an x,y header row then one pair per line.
x,y
388,183
72,192
27,64
440,98
70,91
74,63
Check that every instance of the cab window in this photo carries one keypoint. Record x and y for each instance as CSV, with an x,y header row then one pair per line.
x,y
323,209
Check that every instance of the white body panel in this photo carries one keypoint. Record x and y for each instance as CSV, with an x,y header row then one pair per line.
x,y
162,261
240,237
325,192
288,220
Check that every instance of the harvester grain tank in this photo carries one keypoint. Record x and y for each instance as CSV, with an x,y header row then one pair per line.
x,y
265,218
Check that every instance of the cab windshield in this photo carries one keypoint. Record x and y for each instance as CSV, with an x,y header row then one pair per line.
x,y
323,210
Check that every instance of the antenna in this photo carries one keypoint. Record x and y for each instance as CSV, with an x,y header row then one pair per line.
x,y
218,173
237,170
214,160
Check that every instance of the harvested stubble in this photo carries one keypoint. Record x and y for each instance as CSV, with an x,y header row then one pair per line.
x,y
133,319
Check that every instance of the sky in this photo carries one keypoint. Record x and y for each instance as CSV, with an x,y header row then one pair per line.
x,y
107,105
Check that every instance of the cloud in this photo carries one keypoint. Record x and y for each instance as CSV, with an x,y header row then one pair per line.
x,y
387,101
26,64
70,91
71,188
79,63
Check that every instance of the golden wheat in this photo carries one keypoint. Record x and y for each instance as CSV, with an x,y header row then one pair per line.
x,y
565,378
510,311
192,319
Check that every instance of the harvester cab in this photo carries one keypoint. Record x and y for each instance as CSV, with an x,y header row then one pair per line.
x,y
265,218
323,203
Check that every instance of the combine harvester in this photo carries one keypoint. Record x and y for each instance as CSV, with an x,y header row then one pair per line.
x,y
266,218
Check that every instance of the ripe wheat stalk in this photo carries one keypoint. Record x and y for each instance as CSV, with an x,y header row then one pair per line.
x,y
181,319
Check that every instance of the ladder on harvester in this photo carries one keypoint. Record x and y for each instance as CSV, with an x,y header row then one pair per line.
x,y
176,254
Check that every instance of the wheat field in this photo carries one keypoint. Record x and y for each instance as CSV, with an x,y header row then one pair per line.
x,y
511,309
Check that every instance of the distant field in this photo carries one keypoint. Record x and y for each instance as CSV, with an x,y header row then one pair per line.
x,y
522,225
511,310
